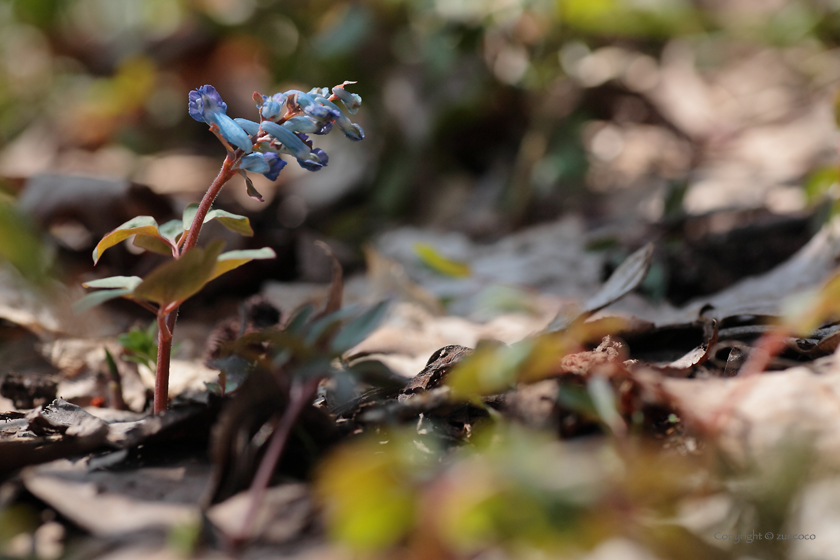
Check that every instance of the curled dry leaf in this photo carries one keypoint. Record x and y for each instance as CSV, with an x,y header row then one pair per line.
x,y
334,296
623,280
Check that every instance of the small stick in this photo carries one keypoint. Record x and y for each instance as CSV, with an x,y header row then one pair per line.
x,y
115,393
301,395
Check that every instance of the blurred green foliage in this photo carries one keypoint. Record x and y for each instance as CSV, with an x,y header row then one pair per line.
x,y
493,368
140,345
21,246
513,488
430,257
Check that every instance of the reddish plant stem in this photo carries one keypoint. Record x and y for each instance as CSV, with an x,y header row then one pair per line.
x,y
768,347
166,321
301,396
225,175
162,373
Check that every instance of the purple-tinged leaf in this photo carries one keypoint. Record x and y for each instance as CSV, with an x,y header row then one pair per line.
x,y
180,279
252,191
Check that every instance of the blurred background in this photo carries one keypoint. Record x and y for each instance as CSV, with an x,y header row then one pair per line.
x,y
514,149
638,117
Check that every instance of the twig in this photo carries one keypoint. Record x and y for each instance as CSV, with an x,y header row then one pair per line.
x,y
115,393
301,396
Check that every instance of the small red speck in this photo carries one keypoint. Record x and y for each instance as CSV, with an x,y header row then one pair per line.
x,y
98,402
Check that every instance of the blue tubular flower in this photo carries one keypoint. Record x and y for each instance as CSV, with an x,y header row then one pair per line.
x,y
250,127
233,133
350,129
205,100
206,105
271,110
311,164
302,124
275,165
354,133
351,100
308,104
322,112
269,164
254,162
304,100
319,91
325,129
294,144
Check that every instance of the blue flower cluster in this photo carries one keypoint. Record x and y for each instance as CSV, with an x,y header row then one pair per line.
x,y
285,121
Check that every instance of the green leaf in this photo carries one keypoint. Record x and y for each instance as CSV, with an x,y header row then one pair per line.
x,y
234,259
300,317
328,324
141,225
98,298
116,286
180,279
140,345
172,230
359,328
429,256
189,215
233,222
125,282
152,244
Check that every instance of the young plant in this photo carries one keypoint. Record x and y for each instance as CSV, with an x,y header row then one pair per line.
x,y
285,120
282,383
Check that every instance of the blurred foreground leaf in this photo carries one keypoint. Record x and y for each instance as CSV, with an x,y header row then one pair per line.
x,y
492,369
20,246
369,490
512,488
